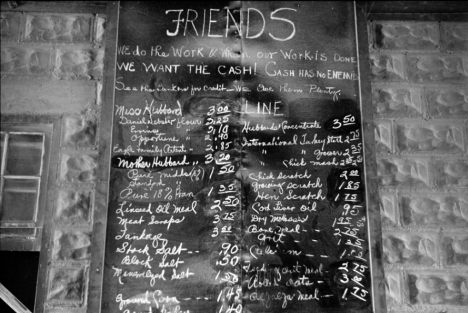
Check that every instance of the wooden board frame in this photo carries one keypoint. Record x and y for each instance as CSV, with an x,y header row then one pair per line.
x,y
370,165
96,283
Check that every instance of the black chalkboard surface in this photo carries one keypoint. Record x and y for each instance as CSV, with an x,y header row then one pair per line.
x,y
237,181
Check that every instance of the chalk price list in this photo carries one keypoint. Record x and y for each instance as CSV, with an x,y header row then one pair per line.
x,y
224,200
352,277
248,192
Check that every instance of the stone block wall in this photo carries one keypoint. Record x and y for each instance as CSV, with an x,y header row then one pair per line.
x,y
52,65
420,97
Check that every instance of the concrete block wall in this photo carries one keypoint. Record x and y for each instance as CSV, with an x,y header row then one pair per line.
x,y
420,97
52,65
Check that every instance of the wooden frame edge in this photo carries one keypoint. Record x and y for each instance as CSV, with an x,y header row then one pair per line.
x,y
96,274
370,165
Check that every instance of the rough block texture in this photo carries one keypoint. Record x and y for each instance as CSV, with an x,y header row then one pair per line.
x,y
78,168
387,67
22,96
51,66
393,287
99,93
389,209
79,64
79,131
383,136
447,103
74,207
100,30
398,101
438,289
67,286
420,74
25,60
438,68
455,248
434,209
407,172
410,249
406,35
445,137
10,26
71,246
451,173
57,28
455,36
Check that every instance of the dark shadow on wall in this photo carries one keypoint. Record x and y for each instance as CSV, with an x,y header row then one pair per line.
x,y
18,273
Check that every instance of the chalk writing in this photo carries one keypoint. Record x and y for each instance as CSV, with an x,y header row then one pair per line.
x,y
237,181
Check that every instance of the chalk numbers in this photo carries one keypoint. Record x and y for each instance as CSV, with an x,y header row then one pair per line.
x,y
224,206
346,121
352,278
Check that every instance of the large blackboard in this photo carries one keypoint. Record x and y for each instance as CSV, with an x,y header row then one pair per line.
x,y
237,180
